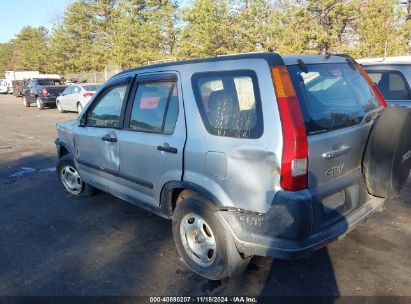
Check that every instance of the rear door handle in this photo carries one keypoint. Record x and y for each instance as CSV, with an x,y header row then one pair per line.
x,y
337,152
109,138
167,149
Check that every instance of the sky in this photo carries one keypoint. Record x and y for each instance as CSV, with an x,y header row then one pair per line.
x,y
14,14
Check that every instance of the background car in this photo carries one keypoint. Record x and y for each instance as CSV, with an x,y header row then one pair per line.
x,y
43,92
76,96
392,75
3,86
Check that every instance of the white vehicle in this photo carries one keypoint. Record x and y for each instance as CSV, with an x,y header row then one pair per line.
x,y
76,96
5,86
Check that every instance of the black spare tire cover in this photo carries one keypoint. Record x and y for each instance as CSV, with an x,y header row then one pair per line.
x,y
387,158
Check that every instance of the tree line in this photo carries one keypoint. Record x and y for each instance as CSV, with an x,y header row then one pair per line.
x,y
95,33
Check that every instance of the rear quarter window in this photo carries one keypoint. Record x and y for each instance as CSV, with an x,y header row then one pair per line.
x,y
229,103
332,96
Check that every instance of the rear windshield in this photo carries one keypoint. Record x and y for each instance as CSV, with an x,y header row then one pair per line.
x,y
332,96
90,87
50,82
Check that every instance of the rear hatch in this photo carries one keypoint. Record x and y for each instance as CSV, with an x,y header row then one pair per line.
x,y
338,105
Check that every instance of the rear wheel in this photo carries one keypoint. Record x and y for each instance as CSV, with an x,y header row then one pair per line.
x,y
387,158
40,104
206,247
70,179
25,102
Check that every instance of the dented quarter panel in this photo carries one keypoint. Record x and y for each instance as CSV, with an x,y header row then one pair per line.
x,y
252,175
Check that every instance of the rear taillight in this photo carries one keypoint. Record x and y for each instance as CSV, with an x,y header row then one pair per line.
x,y
294,163
88,94
44,92
374,87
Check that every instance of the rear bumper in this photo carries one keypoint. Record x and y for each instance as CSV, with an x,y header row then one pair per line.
x,y
285,232
48,100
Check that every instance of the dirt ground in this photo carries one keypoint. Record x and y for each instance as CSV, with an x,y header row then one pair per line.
x,y
54,244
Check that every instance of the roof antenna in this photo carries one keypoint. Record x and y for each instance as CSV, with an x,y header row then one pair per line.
x,y
385,50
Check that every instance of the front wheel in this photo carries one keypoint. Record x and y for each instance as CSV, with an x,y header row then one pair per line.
x,y
59,107
203,242
40,104
70,178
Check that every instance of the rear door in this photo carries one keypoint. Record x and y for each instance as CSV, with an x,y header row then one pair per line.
x,y
336,102
96,141
65,98
393,85
31,91
152,141
74,98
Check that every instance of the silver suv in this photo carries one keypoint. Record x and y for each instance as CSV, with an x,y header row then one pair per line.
x,y
253,154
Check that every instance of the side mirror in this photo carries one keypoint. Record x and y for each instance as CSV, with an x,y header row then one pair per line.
x,y
82,121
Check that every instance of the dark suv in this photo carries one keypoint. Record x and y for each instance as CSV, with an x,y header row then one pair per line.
x,y
43,92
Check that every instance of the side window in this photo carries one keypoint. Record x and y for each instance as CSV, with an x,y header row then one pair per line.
x,y
391,84
229,103
107,111
67,91
75,90
155,108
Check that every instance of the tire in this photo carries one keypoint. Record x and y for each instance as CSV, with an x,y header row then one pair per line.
x,y
219,261
40,104
65,166
387,158
25,102
59,107
79,108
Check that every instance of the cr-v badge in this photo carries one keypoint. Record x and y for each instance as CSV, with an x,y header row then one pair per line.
x,y
334,170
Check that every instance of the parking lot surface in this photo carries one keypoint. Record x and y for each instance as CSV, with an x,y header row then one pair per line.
x,y
54,244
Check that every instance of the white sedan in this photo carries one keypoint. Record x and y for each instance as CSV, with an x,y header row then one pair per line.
x,y
75,97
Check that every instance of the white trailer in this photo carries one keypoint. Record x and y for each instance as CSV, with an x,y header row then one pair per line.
x,y
21,75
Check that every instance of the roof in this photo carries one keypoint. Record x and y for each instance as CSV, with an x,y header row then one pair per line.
x,y
386,60
273,59
85,83
314,59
